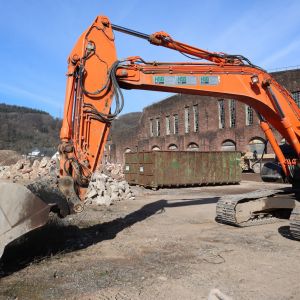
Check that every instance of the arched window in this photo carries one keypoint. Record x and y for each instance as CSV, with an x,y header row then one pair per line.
x,y
228,145
193,147
127,150
155,148
173,147
257,144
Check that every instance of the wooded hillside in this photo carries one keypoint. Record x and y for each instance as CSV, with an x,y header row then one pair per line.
x,y
23,129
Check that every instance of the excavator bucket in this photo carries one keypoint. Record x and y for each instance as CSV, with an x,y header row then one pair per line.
x,y
20,212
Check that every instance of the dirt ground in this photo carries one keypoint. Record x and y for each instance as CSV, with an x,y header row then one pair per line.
x,y
163,245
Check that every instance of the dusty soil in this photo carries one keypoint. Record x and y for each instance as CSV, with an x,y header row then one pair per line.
x,y
9,157
163,245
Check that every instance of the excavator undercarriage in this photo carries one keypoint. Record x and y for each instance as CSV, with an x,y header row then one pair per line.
x,y
255,208
295,222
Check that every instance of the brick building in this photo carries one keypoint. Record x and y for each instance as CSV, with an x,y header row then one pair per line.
x,y
197,123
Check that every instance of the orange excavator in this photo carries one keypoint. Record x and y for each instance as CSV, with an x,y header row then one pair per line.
x,y
95,78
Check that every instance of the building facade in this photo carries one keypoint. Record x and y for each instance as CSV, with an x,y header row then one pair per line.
x,y
198,123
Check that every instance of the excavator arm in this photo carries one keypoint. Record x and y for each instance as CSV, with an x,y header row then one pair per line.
x,y
274,105
95,76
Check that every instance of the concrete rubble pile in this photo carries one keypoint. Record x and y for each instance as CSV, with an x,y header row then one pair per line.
x,y
25,169
104,190
105,187
113,170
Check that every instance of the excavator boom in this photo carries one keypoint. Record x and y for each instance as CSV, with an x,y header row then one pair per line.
x,y
224,75
96,76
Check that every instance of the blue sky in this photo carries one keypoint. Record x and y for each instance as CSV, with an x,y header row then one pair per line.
x,y
37,36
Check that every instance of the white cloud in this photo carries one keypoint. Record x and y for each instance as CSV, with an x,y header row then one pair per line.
x,y
278,55
259,33
18,92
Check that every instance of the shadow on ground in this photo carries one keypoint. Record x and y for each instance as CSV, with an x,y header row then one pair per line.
x,y
56,238
286,233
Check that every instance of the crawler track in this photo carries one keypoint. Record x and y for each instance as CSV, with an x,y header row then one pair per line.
x,y
295,223
228,210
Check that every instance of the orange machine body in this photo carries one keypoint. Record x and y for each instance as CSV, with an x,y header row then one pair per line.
x,y
93,66
83,138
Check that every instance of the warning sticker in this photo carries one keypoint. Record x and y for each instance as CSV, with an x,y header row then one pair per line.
x,y
175,80
209,80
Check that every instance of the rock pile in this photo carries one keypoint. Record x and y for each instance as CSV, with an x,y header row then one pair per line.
x,y
113,170
26,169
104,190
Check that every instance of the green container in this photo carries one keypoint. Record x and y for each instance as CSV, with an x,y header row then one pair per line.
x,y
182,168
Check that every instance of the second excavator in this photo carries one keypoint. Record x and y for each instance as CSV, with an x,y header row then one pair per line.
x,y
95,78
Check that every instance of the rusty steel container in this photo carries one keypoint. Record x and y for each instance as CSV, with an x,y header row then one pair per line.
x,y
182,168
